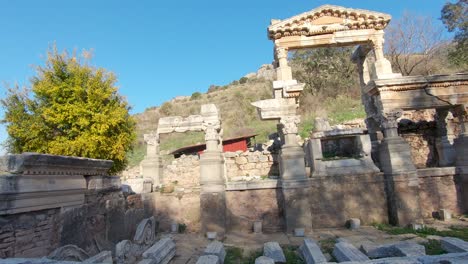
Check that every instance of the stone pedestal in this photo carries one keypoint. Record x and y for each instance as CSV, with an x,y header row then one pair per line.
x,y
212,196
461,150
295,188
401,182
152,168
445,150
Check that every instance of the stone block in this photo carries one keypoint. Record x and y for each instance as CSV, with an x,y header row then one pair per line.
x,y
401,249
216,248
454,245
344,251
264,260
257,227
444,215
311,252
103,257
241,160
453,258
299,232
161,252
274,251
354,223
208,259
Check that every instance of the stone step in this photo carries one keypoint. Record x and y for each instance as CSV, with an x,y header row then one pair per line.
x,y
274,251
311,252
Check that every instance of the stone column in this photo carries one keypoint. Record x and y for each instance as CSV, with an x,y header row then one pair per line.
x,y
445,149
382,67
461,151
295,184
212,196
283,72
375,134
151,166
401,179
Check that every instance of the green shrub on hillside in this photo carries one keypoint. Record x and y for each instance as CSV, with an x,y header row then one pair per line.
x,y
195,96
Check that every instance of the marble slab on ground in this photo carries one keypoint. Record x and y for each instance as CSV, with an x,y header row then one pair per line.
x,y
274,251
264,260
344,251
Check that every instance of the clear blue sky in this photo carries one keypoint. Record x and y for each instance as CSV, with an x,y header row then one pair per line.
x,y
158,49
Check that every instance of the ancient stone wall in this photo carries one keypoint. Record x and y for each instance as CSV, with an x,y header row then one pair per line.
x,y
336,199
261,164
246,207
183,172
177,207
438,189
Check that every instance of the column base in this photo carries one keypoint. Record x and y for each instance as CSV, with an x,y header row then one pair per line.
x,y
297,212
395,156
213,212
151,168
403,199
445,151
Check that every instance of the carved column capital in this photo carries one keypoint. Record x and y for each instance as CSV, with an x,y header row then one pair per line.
x,y
281,53
290,124
389,122
152,142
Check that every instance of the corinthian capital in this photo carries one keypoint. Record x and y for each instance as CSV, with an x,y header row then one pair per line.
x,y
290,124
151,139
389,119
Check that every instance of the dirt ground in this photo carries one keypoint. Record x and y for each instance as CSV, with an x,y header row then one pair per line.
x,y
190,246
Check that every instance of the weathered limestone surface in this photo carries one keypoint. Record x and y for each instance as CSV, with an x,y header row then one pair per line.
x,y
273,250
208,259
454,245
216,248
104,257
69,253
347,196
264,260
35,175
248,163
344,251
311,252
246,207
161,252
401,249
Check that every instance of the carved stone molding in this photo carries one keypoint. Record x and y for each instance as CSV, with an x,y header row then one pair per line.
x,y
290,124
151,139
389,119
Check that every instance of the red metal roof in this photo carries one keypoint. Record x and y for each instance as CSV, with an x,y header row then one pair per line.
x,y
197,147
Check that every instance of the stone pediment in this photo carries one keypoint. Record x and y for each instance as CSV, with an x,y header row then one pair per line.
x,y
327,19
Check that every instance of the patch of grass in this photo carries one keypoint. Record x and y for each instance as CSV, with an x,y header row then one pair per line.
x,y
454,231
290,252
327,245
343,108
434,247
235,255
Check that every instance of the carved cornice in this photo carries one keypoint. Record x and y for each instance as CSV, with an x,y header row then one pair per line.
x,y
327,19
415,83
44,164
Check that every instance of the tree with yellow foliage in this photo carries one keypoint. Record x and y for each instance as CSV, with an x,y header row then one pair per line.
x,y
71,109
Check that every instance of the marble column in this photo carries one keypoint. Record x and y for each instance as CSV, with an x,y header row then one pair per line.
x,y
294,182
151,166
461,151
444,146
212,196
401,179
283,72
382,67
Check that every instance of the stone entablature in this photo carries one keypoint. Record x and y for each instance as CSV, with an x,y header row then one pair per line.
x,y
336,18
31,181
30,163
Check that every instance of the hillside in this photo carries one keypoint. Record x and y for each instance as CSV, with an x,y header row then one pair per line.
x,y
239,117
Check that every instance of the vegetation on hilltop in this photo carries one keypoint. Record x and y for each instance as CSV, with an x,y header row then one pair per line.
x,y
72,109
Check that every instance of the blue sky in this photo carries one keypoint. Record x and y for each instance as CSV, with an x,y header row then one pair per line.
x,y
158,49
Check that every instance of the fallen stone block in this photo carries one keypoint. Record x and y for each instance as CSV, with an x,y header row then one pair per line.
x,y
103,257
398,260
208,259
444,215
264,260
344,251
274,251
354,223
216,248
161,252
401,249
69,253
452,258
311,252
454,245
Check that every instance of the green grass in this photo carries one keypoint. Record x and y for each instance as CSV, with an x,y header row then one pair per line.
x,y
292,257
459,232
136,155
433,247
327,245
343,108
